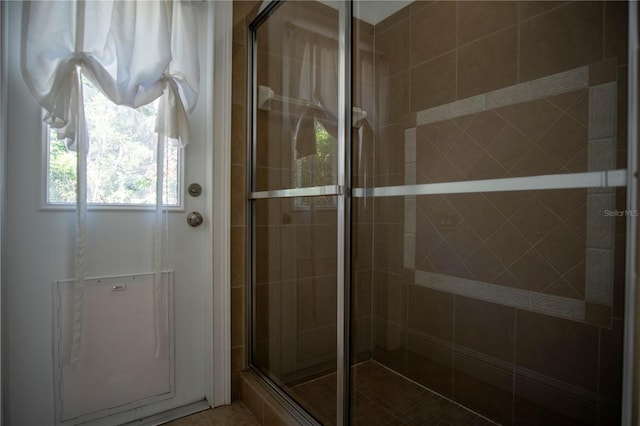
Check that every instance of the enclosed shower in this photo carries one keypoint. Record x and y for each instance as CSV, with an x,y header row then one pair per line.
x,y
437,210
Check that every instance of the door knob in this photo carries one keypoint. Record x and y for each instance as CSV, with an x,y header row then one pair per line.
x,y
194,219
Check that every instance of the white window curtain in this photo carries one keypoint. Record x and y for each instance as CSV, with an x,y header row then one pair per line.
x,y
134,52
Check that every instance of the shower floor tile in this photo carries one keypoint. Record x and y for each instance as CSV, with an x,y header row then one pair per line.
x,y
383,397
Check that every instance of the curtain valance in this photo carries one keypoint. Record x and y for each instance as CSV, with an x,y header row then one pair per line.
x,y
133,51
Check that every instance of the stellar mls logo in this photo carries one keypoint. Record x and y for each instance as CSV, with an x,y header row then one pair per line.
x,y
617,213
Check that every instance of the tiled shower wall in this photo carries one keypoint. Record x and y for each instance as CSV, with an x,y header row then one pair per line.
x,y
437,67
243,13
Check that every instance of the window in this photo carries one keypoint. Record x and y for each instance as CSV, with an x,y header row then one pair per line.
x,y
121,162
318,169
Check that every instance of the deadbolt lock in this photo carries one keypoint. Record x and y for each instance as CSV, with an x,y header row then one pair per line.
x,y
194,189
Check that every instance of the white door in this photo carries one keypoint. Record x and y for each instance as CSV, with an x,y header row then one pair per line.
x,y
40,246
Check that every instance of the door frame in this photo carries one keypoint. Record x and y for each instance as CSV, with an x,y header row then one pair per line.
x,y
3,148
219,179
630,368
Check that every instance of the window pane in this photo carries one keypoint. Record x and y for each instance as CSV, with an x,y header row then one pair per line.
x,y
121,165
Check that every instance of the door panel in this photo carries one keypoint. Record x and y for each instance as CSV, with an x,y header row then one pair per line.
x,y
295,203
40,247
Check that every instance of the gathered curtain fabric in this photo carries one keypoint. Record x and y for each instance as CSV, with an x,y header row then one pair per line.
x,y
132,51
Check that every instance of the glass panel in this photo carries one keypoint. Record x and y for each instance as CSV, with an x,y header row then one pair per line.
x,y
504,306
297,75
295,301
492,90
491,298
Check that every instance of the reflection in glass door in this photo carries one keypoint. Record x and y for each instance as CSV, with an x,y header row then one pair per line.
x,y
296,202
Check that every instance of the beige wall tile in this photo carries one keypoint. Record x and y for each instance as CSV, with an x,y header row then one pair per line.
x,y
433,31
533,271
564,139
238,191
316,303
392,20
554,406
611,347
238,135
562,248
563,349
433,82
615,30
238,255
507,244
488,64
430,364
485,327
239,79
393,98
392,49
567,37
431,312
390,297
237,316
603,72
478,18
529,9
484,388
238,364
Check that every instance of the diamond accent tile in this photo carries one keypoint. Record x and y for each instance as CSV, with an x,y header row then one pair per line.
x,y
533,271
531,118
484,265
565,100
561,287
508,244
444,259
564,139
534,220
485,127
562,248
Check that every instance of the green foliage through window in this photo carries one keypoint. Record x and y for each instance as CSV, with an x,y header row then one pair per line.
x,y
318,169
121,165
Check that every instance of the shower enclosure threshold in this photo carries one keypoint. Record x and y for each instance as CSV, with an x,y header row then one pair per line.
x,y
384,397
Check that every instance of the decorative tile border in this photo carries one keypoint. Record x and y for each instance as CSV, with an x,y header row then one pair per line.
x,y
563,307
552,85
600,228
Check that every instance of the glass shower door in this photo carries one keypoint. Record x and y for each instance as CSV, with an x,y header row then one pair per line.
x,y
296,204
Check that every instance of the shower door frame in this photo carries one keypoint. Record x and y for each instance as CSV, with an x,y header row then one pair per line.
x,y
342,192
